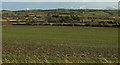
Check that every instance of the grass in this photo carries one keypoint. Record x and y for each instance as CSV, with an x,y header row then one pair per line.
x,y
49,59
98,20
97,13
52,44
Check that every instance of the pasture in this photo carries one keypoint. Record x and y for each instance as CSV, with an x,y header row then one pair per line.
x,y
59,44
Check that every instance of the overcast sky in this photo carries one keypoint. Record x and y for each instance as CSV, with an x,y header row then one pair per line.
x,y
60,0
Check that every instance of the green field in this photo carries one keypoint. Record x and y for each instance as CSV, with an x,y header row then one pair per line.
x,y
59,44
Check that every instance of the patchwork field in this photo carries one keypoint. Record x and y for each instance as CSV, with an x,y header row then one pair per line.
x,y
59,44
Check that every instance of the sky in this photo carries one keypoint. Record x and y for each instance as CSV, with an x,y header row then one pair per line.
x,y
60,0
56,5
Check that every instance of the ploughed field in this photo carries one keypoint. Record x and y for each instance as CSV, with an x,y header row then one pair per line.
x,y
59,44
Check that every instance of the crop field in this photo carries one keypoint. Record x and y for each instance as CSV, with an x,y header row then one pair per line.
x,y
59,44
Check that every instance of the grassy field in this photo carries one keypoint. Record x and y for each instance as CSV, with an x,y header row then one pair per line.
x,y
59,44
